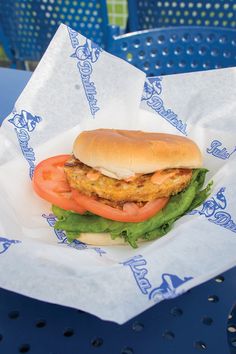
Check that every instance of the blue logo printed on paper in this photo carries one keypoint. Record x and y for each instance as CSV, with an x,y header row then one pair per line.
x,y
151,94
5,243
25,123
152,86
165,290
136,265
88,51
217,150
87,54
51,219
61,236
213,210
25,120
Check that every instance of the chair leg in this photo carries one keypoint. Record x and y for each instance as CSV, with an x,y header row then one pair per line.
x,y
13,65
21,65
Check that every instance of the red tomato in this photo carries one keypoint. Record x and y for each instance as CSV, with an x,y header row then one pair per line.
x,y
130,213
50,183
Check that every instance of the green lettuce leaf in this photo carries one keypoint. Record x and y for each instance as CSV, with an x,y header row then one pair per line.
x,y
153,228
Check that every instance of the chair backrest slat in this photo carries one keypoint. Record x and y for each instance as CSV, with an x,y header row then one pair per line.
x,y
177,50
29,25
147,14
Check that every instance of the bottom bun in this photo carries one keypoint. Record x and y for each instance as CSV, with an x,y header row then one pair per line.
x,y
102,239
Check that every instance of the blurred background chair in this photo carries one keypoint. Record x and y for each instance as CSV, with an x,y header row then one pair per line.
x,y
177,50
27,26
146,14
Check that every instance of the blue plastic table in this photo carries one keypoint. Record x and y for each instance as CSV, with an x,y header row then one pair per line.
x,y
192,323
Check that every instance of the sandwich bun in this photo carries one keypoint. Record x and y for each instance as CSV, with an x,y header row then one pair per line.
x,y
103,239
123,153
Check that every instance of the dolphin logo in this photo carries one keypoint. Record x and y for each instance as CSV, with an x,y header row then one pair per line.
x,y
151,86
170,283
25,120
89,50
6,243
214,203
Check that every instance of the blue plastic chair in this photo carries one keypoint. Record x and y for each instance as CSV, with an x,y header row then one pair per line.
x,y
147,14
177,49
29,25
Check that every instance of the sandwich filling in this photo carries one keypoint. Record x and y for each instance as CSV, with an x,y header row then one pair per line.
x,y
138,189
192,196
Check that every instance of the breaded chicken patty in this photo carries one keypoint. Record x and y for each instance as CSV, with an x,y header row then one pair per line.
x,y
142,188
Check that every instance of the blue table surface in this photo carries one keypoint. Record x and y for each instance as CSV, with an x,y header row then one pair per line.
x,y
193,322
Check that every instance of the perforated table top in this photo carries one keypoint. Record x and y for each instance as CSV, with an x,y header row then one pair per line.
x,y
192,323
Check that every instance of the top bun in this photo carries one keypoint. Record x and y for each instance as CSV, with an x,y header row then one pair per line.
x,y
123,153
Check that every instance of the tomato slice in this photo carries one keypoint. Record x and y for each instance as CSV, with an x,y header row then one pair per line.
x,y
50,183
130,213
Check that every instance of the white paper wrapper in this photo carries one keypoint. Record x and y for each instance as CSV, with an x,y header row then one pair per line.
x,y
76,87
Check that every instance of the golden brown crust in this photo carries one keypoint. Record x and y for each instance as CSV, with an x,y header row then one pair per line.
x,y
122,153
141,189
